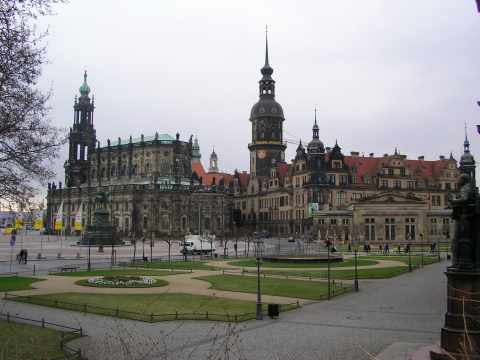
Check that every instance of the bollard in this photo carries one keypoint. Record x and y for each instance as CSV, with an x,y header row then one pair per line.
x,y
8,317
236,319
151,317
117,311
81,332
176,315
43,322
34,270
84,307
206,313
62,336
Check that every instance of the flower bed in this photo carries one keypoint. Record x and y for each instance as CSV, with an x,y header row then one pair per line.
x,y
122,281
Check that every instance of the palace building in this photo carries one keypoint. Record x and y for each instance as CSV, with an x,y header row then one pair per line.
x,y
323,193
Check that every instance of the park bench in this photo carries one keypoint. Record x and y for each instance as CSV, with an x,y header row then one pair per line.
x,y
70,268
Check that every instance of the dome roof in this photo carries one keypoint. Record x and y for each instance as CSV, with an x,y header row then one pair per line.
x,y
316,147
267,107
467,158
84,89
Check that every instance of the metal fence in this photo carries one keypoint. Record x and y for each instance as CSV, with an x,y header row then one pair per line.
x,y
146,317
67,333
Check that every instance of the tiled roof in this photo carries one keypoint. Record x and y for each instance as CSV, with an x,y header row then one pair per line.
x,y
207,178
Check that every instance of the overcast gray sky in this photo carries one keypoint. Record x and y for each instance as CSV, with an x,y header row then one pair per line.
x,y
382,73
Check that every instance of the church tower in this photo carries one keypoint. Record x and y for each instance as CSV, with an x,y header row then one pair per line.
x,y
267,147
82,138
316,156
213,168
467,162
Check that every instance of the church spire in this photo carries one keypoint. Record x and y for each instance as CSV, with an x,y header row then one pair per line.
x,y
315,126
266,70
466,143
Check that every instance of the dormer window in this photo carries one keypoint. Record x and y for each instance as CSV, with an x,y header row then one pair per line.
x,y
336,164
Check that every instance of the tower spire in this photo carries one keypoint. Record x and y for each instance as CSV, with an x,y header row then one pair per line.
x,y
266,46
266,70
315,126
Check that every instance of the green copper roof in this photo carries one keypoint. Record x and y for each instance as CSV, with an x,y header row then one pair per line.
x,y
163,138
84,89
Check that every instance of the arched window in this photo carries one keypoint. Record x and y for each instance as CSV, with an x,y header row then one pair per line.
x,y
85,153
78,152
112,171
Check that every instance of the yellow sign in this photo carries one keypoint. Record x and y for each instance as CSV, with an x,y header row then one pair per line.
x,y
77,225
7,230
38,224
18,223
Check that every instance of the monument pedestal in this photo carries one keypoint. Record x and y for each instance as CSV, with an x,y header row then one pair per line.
x,y
460,337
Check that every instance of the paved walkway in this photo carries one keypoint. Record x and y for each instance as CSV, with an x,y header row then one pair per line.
x,y
380,264
408,308
180,283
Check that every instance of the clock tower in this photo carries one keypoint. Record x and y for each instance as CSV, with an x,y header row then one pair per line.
x,y
267,147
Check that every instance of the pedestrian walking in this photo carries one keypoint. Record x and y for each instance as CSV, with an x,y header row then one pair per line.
x,y
387,249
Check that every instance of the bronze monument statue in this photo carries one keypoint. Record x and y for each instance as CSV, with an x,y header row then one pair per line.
x,y
101,232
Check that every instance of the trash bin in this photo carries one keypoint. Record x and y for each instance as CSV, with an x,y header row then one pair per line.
x,y
273,310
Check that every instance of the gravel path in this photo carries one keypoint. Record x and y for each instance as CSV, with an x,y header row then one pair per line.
x,y
180,283
380,264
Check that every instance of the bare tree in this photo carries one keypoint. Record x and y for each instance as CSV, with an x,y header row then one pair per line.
x,y
28,142
169,240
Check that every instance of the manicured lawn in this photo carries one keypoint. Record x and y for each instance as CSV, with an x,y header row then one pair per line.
x,y
299,289
168,306
158,283
21,341
14,283
180,265
117,272
416,259
380,273
278,264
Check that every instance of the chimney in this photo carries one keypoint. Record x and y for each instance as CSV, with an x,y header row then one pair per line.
x,y
328,149
421,157
371,155
385,155
354,153
442,157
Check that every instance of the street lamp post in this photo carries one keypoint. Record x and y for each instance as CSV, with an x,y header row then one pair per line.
x,y
259,312
356,271
89,264
328,270
409,258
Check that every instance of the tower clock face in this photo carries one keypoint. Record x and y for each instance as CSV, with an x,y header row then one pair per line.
x,y
262,154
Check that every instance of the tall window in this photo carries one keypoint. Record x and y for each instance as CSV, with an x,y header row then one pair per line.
x,y
331,179
389,229
398,184
340,197
385,183
370,229
410,229
433,226
343,179
446,227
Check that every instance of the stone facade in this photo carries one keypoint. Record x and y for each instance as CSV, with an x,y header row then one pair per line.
x,y
149,180
323,192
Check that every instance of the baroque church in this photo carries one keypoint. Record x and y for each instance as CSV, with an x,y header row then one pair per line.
x,y
149,179
158,185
